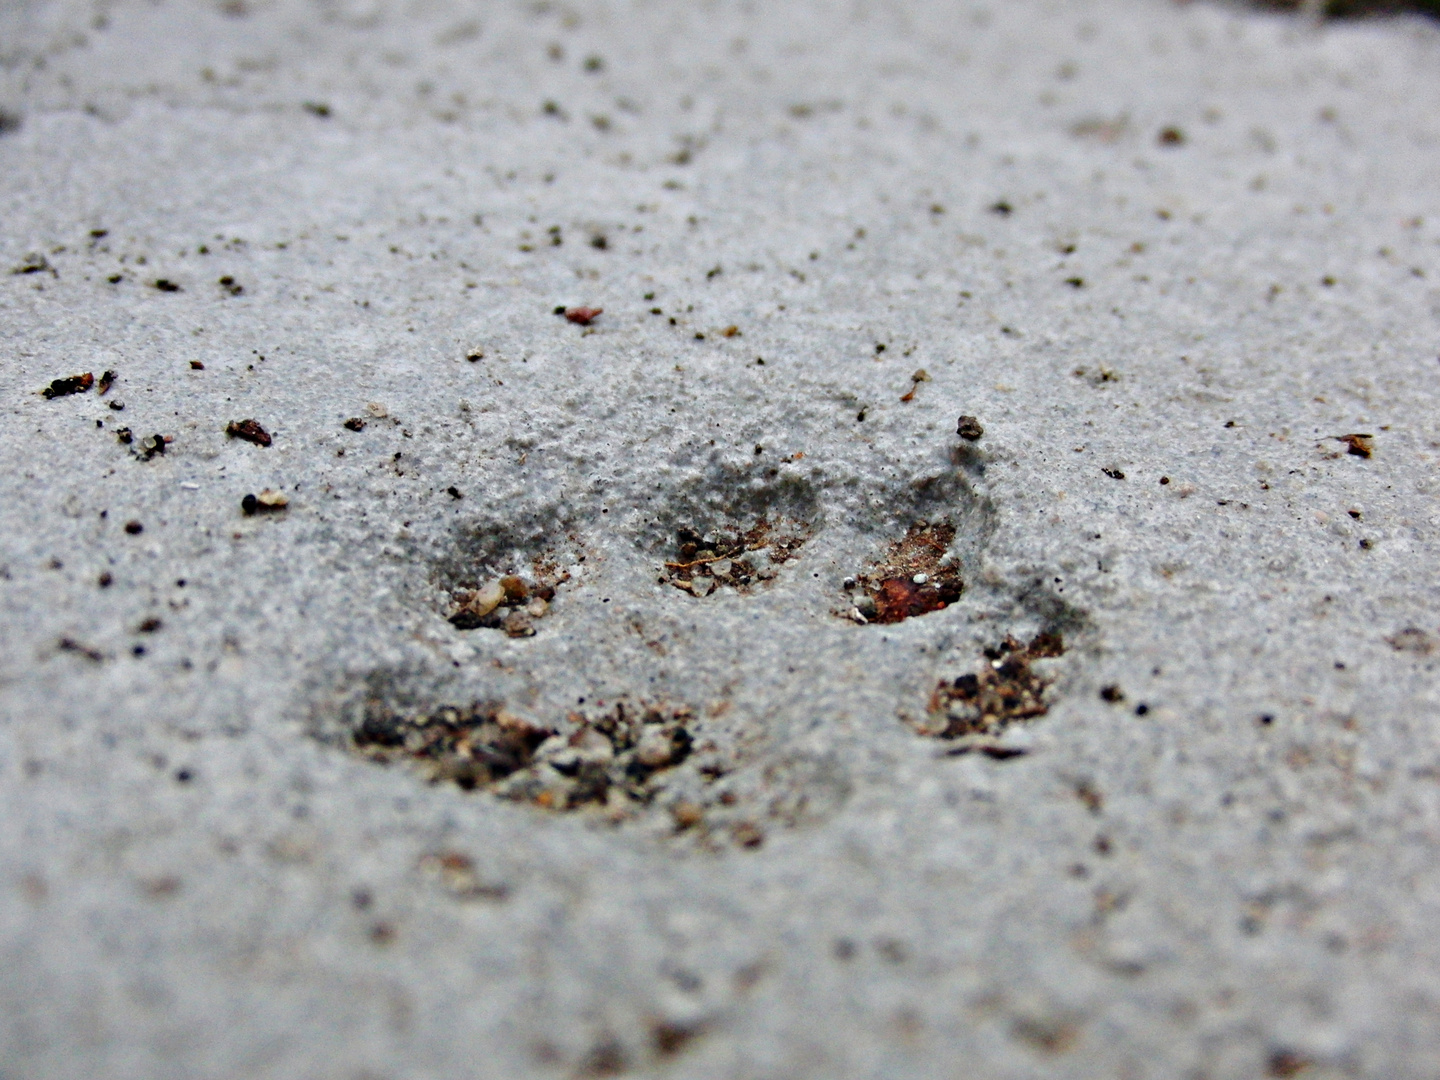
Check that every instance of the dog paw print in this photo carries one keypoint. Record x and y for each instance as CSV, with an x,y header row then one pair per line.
x,y
704,741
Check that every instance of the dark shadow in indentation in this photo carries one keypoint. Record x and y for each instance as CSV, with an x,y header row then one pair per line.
x,y
942,497
732,527
503,573
732,498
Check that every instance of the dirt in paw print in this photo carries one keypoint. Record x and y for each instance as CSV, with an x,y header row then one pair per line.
x,y
976,708
918,575
708,561
608,759
508,602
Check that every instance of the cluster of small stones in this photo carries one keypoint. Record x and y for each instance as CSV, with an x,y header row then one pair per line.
x,y
918,575
1005,691
609,760
509,603
739,560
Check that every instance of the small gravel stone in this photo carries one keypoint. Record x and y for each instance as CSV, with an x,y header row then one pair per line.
x,y
518,624
656,749
487,599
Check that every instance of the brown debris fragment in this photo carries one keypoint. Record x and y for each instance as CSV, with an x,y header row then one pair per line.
x,y
354,424
1358,444
915,380
70,384
34,264
456,874
1287,1063
1101,129
686,815
581,316
748,834
518,624
669,1038
249,430
969,429
1049,1035
1414,640
69,644
606,1058
107,380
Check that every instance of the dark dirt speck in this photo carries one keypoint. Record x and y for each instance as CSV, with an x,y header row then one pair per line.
x,y
249,430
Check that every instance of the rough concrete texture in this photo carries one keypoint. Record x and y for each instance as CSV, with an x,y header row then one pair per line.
x,y
1165,254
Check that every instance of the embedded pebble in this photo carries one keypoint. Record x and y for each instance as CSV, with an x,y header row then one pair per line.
x,y
518,624
485,601
516,591
656,748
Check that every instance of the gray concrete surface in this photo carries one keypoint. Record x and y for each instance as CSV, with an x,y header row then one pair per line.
x,y
1233,870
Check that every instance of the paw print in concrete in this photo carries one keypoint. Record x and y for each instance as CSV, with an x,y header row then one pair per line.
x,y
604,690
